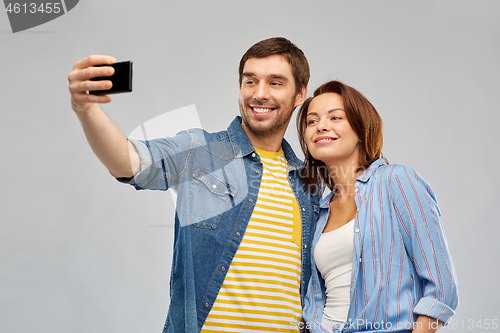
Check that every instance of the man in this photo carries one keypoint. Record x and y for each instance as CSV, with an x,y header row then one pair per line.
x,y
244,220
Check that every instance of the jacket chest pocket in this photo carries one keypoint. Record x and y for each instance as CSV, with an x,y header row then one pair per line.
x,y
209,197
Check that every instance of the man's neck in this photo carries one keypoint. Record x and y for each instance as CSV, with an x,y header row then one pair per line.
x,y
271,142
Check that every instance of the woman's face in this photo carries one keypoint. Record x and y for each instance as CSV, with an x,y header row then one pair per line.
x,y
328,134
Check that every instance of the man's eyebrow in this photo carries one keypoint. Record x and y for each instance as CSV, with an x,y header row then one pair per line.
x,y
248,74
278,76
272,76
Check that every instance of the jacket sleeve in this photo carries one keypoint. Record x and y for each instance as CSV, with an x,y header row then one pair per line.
x,y
423,236
163,162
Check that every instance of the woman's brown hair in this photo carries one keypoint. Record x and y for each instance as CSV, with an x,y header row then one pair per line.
x,y
364,120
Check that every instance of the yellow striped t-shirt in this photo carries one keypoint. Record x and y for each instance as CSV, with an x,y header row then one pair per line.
x,y
261,291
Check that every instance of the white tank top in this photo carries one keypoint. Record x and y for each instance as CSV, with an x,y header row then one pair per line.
x,y
333,255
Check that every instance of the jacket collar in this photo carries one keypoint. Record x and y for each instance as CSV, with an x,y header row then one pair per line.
x,y
242,145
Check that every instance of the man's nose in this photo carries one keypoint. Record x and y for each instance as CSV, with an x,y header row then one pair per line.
x,y
261,92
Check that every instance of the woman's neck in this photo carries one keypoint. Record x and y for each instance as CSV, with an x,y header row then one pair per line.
x,y
344,177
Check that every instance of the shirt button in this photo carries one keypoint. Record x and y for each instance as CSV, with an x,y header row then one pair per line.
x,y
250,200
214,186
303,209
206,305
357,230
359,259
238,233
223,268
356,189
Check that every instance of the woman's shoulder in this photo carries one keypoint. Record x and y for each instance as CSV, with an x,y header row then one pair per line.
x,y
404,179
395,174
382,169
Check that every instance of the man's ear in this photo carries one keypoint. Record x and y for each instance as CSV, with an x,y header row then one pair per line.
x,y
301,96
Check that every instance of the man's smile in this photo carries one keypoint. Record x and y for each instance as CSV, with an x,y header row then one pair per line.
x,y
261,110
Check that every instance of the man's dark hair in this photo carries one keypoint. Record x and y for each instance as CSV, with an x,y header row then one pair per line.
x,y
280,46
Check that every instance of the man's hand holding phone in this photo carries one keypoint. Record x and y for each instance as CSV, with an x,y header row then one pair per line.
x,y
80,84
105,138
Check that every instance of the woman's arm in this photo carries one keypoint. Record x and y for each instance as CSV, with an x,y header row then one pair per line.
x,y
418,215
426,324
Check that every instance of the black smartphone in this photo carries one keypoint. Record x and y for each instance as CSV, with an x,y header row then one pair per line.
x,y
122,79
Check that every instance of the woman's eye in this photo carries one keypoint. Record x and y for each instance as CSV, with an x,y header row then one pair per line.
x,y
336,118
310,122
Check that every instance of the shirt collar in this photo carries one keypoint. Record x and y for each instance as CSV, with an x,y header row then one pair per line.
x,y
242,145
325,202
365,176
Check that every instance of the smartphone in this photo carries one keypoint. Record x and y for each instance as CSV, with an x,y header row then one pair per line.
x,y
122,79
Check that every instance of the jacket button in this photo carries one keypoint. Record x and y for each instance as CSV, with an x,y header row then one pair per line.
x,y
214,186
238,233
206,305
303,209
257,171
250,200
305,246
253,154
223,268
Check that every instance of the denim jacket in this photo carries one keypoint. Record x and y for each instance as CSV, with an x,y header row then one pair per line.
x,y
216,177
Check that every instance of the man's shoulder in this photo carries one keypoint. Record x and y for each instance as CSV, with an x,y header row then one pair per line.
x,y
202,136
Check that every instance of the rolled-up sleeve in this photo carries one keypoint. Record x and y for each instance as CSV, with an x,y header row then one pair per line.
x,y
423,236
162,162
145,165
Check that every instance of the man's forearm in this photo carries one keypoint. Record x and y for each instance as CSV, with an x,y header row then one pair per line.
x,y
108,142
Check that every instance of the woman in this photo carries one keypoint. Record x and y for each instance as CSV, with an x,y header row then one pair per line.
x,y
380,258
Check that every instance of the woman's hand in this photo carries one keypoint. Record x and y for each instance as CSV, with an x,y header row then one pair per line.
x,y
426,324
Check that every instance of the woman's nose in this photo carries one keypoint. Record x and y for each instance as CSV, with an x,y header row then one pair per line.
x,y
323,125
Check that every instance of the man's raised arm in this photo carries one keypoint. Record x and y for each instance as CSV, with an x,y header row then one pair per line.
x,y
107,141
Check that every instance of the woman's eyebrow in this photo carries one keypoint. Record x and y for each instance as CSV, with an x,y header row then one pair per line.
x,y
329,111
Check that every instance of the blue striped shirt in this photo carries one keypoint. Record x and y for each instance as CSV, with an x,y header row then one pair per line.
x,y
401,265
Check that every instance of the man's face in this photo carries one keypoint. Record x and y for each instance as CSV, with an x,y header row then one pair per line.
x,y
268,95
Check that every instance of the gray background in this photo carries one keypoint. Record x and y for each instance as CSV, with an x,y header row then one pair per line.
x,y
80,252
